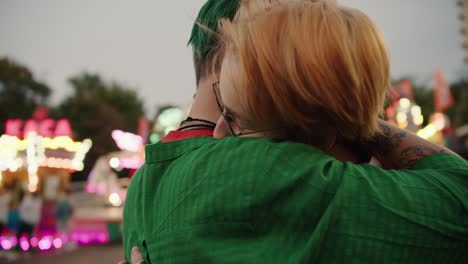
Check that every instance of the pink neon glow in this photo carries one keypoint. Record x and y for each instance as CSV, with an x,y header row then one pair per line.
x,y
24,244
75,236
127,141
131,163
47,127
45,244
30,126
84,238
6,244
63,128
64,238
89,237
34,242
96,188
102,237
13,127
14,241
57,243
90,187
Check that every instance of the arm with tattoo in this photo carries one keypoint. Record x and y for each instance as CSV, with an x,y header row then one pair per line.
x,y
397,148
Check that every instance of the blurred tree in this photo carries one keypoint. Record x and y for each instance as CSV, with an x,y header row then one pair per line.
x,y
95,108
20,92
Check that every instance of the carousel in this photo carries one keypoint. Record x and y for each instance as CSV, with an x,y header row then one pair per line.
x,y
38,156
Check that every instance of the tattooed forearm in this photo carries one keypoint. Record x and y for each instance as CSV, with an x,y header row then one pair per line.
x,y
409,156
386,141
397,148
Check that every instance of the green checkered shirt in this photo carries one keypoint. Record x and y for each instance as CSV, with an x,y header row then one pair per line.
x,y
250,200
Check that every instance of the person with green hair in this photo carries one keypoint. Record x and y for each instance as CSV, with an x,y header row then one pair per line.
x,y
203,113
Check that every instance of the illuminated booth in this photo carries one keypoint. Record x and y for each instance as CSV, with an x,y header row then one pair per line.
x,y
103,224
103,179
39,155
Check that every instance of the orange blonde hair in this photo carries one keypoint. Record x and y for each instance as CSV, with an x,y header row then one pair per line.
x,y
316,68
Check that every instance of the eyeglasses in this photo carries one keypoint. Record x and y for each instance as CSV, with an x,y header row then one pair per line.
x,y
228,120
221,109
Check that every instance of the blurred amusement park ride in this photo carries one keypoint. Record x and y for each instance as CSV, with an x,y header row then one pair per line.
x,y
38,156
104,178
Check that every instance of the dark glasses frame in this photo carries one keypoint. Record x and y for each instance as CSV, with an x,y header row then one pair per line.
x,y
215,87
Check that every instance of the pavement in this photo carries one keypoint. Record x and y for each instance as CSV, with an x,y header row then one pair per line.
x,y
89,254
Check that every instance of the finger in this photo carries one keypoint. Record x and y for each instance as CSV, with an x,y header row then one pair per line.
x,y
123,262
136,255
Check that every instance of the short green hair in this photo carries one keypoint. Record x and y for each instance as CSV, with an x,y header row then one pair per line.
x,y
204,43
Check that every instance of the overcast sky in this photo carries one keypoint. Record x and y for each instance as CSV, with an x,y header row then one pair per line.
x,y
143,43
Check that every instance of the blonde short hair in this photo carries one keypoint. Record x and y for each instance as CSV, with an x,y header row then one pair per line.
x,y
317,68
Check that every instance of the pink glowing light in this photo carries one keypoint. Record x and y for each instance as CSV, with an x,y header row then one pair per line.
x,y
64,238
24,244
58,243
75,236
84,238
45,244
91,187
131,163
6,244
63,128
47,127
14,241
127,141
34,242
13,127
103,238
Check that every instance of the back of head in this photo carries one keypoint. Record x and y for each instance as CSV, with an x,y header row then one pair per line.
x,y
204,37
316,68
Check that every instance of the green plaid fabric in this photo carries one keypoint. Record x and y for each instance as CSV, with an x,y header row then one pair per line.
x,y
250,200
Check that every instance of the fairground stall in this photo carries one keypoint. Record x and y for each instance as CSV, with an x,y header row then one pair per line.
x,y
104,179
107,187
38,156
112,172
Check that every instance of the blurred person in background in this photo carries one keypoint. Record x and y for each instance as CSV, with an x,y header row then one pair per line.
x,y
5,199
262,200
29,214
64,212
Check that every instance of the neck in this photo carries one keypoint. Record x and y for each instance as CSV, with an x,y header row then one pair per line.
x,y
348,152
204,103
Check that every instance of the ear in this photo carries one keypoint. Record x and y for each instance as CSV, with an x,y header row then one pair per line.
x,y
221,130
